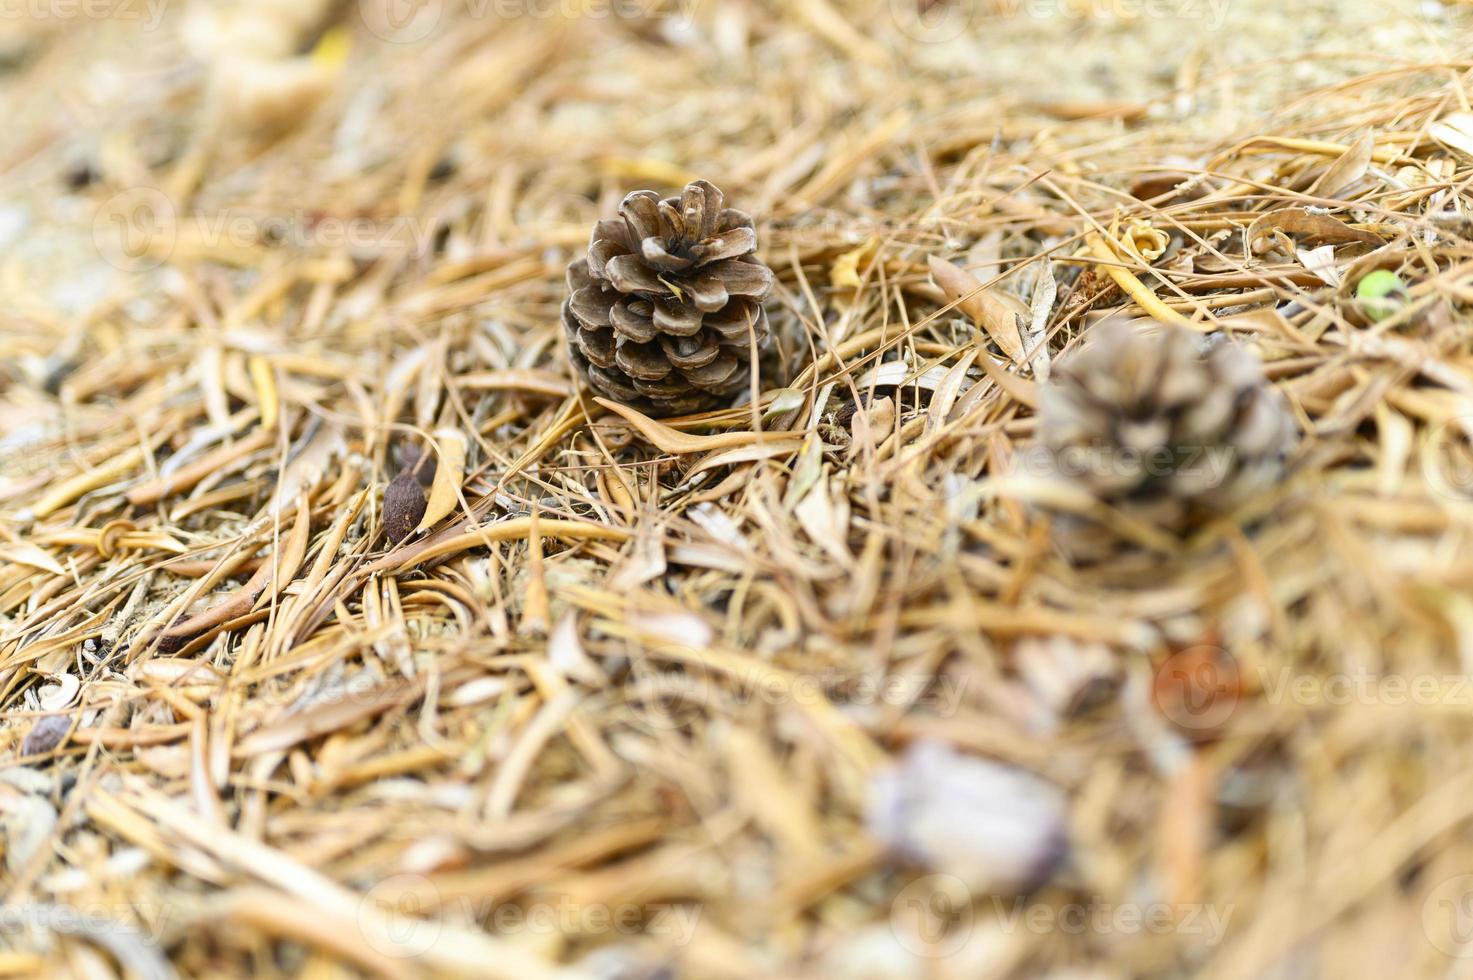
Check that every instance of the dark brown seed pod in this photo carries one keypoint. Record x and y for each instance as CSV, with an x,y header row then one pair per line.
x,y
404,506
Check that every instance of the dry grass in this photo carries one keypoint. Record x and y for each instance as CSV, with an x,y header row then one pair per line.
x,y
648,670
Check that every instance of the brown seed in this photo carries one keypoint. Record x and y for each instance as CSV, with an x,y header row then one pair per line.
x,y
404,506
421,463
46,735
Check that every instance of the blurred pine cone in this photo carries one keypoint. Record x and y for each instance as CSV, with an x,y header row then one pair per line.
x,y
663,311
1161,427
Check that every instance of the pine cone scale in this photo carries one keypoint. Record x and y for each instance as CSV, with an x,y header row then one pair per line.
x,y
708,294
728,245
677,321
690,352
641,212
589,310
717,374
633,322
736,320
656,255
642,362
742,278
630,275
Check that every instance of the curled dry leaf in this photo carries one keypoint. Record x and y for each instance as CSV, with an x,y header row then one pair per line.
x,y
947,391
360,697
646,561
1111,252
1148,243
1455,133
782,401
1045,293
1303,223
682,628
1022,389
565,651
845,271
673,441
445,491
478,691
825,518
310,459
1166,182
25,553
1348,170
895,374
987,309
1320,261
57,695
244,599
868,428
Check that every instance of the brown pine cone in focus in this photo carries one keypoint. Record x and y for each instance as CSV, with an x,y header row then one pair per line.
x,y
663,312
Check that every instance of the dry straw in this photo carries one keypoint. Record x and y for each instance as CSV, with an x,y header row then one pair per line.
x,y
624,675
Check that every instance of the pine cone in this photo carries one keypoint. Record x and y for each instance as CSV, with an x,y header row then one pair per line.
x,y
1161,428
663,311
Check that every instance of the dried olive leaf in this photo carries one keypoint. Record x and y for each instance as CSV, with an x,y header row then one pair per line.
x,y
445,491
985,306
1347,170
1314,228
